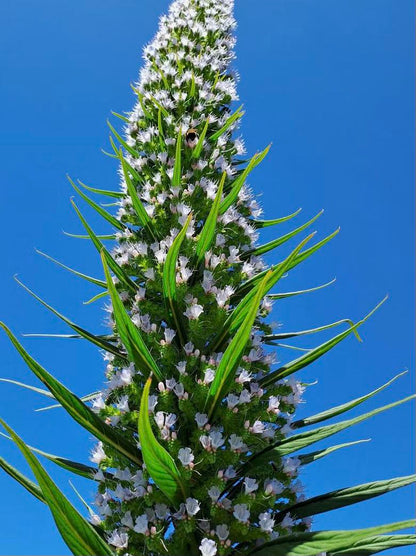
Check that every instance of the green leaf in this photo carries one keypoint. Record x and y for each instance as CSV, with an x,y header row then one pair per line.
x,y
376,544
233,118
129,149
75,467
236,318
262,249
86,398
95,298
105,192
78,534
305,459
110,237
116,268
225,373
300,292
247,286
313,354
269,339
303,439
96,340
159,106
339,409
240,180
120,117
344,497
169,280
138,206
106,215
81,413
177,170
28,387
196,153
303,544
159,463
95,281
29,485
267,223
129,333
208,231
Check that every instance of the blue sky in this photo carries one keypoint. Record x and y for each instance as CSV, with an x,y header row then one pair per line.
x,y
331,84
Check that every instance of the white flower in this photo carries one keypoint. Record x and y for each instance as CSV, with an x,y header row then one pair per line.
x,y
222,532
142,524
290,466
169,335
209,376
192,506
186,456
272,486
266,522
181,366
98,455
189,348
214,493
236,443
119,539
208,547
257,428
161,511
250,485
287,522
232,401
194,311
127,520
274,404
230,472
241,513
244,376
201,419
216,439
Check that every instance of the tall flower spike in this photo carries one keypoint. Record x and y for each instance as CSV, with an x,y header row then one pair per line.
x,y
196,452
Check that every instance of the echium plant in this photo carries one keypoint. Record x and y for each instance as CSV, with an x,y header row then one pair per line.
x,y
195,426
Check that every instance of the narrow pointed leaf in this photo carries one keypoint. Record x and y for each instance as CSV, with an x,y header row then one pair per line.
x,y
169,280
377,544
177,170
96,340
236,318
248,285
262,249
95,281
285,335
28,387
233,118
103,237
75,467
303,439
120,117
105,192
339,409
86,398
225,373
96,298
305,459
267,223
78,534
196,153
118,271
208,231
159,463
344,497
76,408
300,292
129,333
240,180
29,485
303,544
138,206
314,354
129,149
103,213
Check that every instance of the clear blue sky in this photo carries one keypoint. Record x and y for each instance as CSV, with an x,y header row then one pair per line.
x,y
331,84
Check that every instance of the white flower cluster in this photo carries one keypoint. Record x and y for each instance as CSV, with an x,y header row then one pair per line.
x,y
186,87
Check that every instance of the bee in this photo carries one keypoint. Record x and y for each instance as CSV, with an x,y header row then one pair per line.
x,y
191,138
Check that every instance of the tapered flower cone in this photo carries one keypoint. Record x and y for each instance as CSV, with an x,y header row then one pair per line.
x,y
198,449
